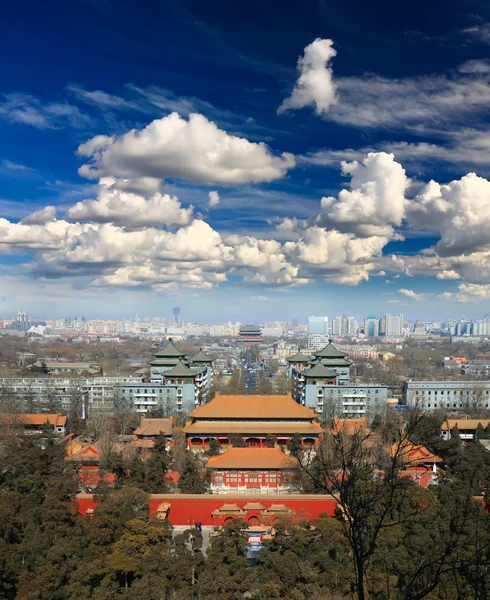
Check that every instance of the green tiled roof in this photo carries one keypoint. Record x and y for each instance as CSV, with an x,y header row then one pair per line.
x,y
330,351
299,357
170,350
320,371
181,370
200,357
335,362
164,362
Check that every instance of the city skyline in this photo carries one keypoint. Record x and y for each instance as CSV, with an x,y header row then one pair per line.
x,y
202,171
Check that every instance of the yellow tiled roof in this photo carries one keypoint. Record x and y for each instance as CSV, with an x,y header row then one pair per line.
x,y
252,458
253,427
257,407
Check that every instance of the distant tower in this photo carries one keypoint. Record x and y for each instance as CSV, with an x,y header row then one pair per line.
x,y
176,314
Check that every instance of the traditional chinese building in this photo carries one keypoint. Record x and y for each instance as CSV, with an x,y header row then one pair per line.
x,y
251,470
177,383
35,423
250,335
251,418
150,429
323,384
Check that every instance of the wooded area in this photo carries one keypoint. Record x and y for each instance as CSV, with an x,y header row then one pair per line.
x,y
392,538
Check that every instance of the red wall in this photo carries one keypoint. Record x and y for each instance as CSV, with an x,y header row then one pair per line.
x,y
187,509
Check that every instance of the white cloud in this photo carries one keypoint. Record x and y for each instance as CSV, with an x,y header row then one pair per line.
x,y
102,99
259,298
475,66
375,201
479,32
412,295
29,110
40,217
315,85
460,210
469,292
129,209
448,274
214,199
192,150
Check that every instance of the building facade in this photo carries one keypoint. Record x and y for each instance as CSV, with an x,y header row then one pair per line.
x,y
317,332
322,383
252,419
251,470
453,395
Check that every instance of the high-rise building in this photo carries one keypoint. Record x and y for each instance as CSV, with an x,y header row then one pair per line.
x,y
393,325
317,332
176,314
371,326
344,326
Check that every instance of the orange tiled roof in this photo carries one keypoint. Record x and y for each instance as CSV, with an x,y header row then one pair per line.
x,y
149,427
256,407
34,419
349,426
464,424
252,428
252,458
90,453
414,453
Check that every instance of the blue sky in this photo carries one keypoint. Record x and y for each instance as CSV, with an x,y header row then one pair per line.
x,y
253,162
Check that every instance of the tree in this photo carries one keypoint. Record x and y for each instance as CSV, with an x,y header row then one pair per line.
x,y
192,479
344,467
214,448
270,441
157,467
226,575
237,441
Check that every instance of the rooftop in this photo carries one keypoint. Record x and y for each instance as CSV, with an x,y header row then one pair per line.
x,y
170,350
181,370
299,357
34,419
330,351
462,424
153,427
319,370
200,357
252,458
253,428
252,407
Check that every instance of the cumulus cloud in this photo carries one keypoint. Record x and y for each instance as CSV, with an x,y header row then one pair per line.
x,y
315,85
40,217
375,201
114,205
192,150
214,199
469,292
460,210
448,274
412,295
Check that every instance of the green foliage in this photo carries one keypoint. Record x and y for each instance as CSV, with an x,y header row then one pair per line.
x,y
237,441
270,441
214,448
193,479
406,542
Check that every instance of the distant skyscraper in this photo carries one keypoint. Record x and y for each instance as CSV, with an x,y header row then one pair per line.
x,y
371,326
393,325
176,314
317,332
